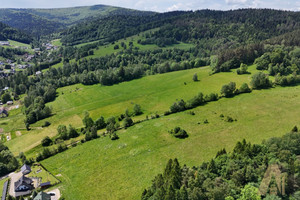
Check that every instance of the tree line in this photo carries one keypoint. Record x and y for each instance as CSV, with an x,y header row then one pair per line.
x,y
234,175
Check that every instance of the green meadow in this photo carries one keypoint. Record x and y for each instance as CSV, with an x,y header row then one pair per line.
x,y
153,94
105,169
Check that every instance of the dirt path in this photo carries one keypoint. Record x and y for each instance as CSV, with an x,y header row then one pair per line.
x,y
18,133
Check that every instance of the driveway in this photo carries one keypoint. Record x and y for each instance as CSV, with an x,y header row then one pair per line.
x,y
56,192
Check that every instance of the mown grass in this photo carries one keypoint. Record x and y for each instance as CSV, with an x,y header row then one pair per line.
x,y
56,42
123,168
18,44
40,172
153,94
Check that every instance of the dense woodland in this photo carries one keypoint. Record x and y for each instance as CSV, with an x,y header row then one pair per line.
x,y
240,174
7,32
8,162
209,29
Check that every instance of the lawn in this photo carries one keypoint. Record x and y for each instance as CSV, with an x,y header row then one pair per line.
x,y
153,94
40,172
56,42
122,169
19,44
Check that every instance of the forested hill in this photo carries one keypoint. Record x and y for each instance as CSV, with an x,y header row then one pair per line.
x,y
209,29
7,32
46,21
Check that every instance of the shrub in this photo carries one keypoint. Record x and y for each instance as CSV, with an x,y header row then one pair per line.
x,y
229,89
244,88
260,81
229,119
46,141
137,110
46,124
179,133
127,122
195,77
114,136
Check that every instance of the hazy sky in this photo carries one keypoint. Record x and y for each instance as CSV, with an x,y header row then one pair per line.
x,y
158,5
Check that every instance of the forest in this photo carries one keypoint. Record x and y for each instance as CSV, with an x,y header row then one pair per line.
x,y
240,174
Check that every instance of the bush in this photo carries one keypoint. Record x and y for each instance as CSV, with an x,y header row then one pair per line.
x,y
244,88
260,81
100,123
243,69
127,122
179,133
46,124
195,77
137,110
114,136
229,119
229,89
46,141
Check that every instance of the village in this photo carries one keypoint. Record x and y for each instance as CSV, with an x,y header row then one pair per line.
x,y
9,67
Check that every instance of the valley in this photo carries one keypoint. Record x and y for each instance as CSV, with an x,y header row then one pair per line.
x,y
117,103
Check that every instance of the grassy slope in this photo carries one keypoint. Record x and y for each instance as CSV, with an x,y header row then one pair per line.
x,y
121,169
150,92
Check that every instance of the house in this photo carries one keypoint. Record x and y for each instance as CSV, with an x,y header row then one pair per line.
x,y
38,73
10,103
23,184
42,196
6,88
4,43
25,169
45,185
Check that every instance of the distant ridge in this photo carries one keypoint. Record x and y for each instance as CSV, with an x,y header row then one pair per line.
x,y
46,21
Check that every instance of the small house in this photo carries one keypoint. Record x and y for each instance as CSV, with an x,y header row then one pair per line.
x,y
42,196
23,184
25,169
10,103
38,73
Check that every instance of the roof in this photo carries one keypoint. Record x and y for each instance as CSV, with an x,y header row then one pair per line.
x,y
25,169
23,181
42,196
45,184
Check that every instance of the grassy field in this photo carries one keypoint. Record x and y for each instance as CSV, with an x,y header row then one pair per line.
x,y
56,42
123,168
150,92
19,44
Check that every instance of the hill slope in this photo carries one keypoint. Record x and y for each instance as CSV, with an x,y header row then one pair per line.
x,y
45,21
211,30
7,32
